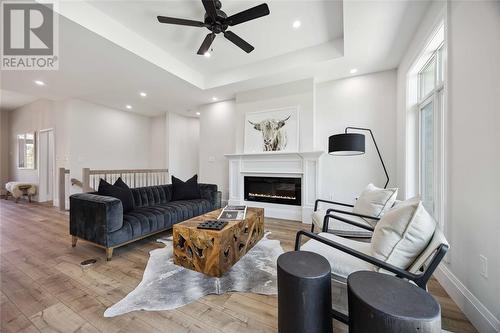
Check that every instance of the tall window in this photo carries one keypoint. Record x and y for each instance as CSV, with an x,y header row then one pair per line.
x,y
430,106
425,125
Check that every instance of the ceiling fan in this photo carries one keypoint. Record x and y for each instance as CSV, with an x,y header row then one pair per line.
x,y
217,21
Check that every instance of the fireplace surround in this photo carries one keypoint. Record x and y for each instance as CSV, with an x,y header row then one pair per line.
x,y
279,190
285,165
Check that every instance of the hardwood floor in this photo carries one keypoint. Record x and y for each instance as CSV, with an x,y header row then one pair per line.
x,y
44,289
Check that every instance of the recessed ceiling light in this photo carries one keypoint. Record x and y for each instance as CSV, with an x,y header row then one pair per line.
x,y
143,94
296,24
128,106
40,83
353,71
207,54
197,113
215,99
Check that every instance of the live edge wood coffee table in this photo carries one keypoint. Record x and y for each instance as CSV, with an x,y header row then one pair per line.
x,y
214,252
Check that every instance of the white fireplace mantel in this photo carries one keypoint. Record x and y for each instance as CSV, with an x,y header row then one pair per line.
x,y
279,164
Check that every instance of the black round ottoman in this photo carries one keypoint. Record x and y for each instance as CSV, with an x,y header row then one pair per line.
x,y
384,303
304,293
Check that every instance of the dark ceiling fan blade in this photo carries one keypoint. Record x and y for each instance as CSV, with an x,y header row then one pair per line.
x,y
205,46
173,20
238,41
247,15
210,8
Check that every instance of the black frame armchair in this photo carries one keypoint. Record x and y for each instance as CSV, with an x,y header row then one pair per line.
x,y
330,210
419,279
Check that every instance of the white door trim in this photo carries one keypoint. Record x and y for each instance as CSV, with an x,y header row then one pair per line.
x,y
41,197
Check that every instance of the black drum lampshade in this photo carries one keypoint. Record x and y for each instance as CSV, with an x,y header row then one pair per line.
x,y
346,144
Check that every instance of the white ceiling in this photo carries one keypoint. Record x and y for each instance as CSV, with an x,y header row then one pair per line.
x,y
10,100
117,49
272,35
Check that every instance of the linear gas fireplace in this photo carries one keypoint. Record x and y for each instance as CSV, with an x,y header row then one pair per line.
x,y
280,190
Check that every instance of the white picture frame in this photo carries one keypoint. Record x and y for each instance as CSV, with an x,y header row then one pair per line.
x,y
271,131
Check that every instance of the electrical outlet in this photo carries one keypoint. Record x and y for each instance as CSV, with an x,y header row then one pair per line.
x,y
483,270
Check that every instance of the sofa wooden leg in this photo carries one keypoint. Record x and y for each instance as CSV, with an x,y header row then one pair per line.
x,y
109,253
29,197
74,239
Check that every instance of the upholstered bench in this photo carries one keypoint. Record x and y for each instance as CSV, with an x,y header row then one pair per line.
x,y
18,189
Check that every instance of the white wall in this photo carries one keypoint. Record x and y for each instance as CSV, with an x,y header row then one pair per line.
x,y
41,114
299,93
158,146
89,135
474,150
104,138
222,125
325,109
473,165
217,137
4,149
367,101
29,118
183,136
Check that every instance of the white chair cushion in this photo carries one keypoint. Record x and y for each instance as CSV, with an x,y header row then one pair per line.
x,y
375,201
340,228
342,263
403,233
426,255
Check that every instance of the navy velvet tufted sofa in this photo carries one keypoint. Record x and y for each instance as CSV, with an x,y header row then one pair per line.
x,y
100,219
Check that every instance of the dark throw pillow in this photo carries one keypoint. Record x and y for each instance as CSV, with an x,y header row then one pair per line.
x,y
120,183
120,191
185,190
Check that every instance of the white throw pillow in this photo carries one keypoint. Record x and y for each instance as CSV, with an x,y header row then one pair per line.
x,y
403,233
375,201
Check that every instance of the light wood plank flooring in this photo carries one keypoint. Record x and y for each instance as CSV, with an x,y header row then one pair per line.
x,y
44,289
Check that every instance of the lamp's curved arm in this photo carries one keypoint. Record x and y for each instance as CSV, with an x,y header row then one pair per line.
x,y
376,147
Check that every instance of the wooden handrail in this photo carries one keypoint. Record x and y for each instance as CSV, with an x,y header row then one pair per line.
x,y
132,177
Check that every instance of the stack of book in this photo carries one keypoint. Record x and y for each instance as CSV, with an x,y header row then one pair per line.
x,y
233,213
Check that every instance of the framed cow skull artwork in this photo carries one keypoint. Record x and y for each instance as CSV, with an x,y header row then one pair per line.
x,y
272,130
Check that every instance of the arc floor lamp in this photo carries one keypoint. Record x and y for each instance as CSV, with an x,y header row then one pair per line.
x,y
348,144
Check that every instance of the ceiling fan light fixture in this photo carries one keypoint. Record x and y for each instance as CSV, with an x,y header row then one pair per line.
x,y
207,54
217,21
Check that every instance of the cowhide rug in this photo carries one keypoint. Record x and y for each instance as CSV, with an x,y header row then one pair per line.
x,y
166,286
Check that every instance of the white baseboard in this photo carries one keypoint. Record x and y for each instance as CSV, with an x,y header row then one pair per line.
x,y
476,312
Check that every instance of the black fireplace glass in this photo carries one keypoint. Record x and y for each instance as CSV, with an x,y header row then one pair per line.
x,y
279,190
